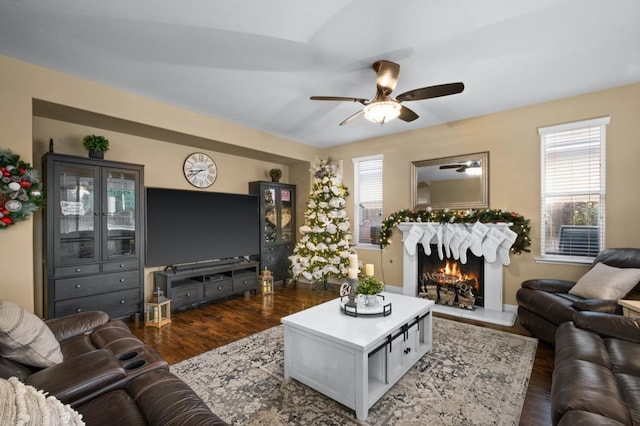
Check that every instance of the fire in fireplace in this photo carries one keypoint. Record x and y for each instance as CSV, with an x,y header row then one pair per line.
x,y
450,282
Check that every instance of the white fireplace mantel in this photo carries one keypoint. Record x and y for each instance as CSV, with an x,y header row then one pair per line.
x,y
493,311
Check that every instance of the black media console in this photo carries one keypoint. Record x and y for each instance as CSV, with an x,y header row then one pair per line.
x,y
192,287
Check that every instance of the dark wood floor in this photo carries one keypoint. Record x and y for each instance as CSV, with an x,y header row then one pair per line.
x,y
199,330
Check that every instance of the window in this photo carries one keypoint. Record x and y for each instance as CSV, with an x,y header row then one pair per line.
x,y
573,190
368,199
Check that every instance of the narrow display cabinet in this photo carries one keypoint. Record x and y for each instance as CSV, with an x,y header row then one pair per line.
x,y
278,229
93,236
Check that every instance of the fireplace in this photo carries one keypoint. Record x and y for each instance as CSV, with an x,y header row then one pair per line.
x,y
449,281
492,310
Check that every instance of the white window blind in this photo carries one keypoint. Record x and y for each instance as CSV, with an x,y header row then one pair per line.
x,y
368,199
573,189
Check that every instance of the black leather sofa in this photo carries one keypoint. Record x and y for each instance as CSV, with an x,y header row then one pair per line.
x,y
545,304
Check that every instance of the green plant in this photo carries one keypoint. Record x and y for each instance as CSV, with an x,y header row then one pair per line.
x,y
275,174
369,285
95,143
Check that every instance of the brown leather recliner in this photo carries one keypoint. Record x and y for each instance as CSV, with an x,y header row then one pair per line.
x,y
544,304
111,377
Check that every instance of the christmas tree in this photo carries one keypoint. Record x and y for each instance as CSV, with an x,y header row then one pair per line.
x,y
323,248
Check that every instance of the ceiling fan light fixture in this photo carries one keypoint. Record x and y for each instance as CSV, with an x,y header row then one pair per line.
x,y
382,111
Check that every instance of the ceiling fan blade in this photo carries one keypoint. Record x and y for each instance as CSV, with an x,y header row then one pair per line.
x,y
431,92
338,98
406,114
387,76
352,117
451,166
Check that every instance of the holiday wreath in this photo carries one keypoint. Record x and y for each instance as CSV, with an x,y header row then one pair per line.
x,y
20,193
520,224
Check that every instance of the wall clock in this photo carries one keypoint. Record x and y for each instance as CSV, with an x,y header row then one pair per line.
x,y
200,170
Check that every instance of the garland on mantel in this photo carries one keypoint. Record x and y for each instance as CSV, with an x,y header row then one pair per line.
x,y
520,224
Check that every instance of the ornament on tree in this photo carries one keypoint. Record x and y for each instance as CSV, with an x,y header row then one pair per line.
x,y
323,248
20,193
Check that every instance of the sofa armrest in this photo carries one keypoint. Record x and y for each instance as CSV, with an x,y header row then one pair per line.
x,y
608,325
549,285
598,305
73,325
74,380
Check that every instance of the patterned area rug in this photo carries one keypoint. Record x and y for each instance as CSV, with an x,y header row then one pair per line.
x,y
473,376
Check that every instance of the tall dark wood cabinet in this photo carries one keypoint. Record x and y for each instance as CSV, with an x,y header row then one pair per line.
x,y
278,230
94,236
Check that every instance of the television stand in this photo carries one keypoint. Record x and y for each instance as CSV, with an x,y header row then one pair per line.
x,y
188,288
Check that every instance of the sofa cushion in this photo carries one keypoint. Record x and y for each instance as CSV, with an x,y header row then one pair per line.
x,y
25,338
24,404
606,282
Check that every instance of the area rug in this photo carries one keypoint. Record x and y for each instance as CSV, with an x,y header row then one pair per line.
x,y
473,376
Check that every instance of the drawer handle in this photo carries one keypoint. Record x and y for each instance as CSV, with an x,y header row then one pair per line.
x,y
406,351
188,294
78,310
219,288
78,270
122,265
245,282
77,285
122,302
121,280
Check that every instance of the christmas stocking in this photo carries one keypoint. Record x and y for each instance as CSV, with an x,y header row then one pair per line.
x,y
439,238
447,236
464,246
429,232
490,245
454,245
460,243
415,233
503,249
478,231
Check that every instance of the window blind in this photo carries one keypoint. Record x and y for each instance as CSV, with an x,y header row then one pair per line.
x,y
573,189
368,199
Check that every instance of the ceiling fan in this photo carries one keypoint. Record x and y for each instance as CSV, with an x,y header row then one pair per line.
x,y
382,108
462,167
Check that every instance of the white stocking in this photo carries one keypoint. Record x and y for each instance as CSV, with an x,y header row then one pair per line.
x,y
478,231
429,232
415,233
447,236
465,241
439,238
503,249
494,238
456,240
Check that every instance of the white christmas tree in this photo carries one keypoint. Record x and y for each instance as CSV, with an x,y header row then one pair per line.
x,y
323,248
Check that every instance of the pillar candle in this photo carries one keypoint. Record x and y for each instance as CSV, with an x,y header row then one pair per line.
x,y
353,273
353,261
368,269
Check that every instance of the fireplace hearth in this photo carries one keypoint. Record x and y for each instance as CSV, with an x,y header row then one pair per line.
x,y
492,311
449,281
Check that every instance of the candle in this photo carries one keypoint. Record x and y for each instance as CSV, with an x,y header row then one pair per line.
x,y
353,261
353,273
368,269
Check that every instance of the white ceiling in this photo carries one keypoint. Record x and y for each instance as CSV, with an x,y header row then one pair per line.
x,y
257,62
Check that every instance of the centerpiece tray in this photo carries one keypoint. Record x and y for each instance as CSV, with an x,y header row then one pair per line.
x,y
379,308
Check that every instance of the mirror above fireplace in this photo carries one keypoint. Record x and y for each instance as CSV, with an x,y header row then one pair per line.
x,y
458,182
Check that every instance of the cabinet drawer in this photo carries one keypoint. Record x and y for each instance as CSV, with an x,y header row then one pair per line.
x,y
186,295
121,266
272,259
95,284
69,271
245,282
216,289
116,304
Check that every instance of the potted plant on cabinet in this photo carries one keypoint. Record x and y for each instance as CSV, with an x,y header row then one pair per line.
x,y
96,145
275,174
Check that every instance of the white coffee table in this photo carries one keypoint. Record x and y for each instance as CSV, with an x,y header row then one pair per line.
x,y
355,360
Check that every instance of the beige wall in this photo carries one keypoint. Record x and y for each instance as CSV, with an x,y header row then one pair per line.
x,y
510,136
514,182
27,136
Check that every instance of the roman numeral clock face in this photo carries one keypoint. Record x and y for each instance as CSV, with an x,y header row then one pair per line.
x,y
200,170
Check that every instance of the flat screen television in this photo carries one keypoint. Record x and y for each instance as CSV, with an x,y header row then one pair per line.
x,y
196,226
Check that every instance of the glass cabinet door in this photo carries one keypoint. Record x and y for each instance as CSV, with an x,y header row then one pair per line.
x,y
119,210
270,217
75,232
286,209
